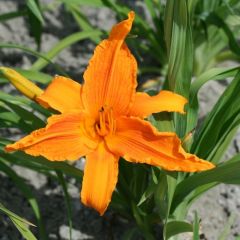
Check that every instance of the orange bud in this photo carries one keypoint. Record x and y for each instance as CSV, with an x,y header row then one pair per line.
x,y
21,83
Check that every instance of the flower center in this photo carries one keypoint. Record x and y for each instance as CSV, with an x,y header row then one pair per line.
x,y
106,123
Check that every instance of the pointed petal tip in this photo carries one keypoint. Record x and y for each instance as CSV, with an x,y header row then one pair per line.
x,y
62,139
92,203
131,15
4,69
121,29
208,165
101,213
8,148
144,104
11,147
100,179
139,142
116,74
88,204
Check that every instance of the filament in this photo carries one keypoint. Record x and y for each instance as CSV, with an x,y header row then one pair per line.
x,y
106,124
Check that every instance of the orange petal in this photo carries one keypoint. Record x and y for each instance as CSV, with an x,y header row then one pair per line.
x,y
110,79
63,94
137,141
145,105
100,178
62,139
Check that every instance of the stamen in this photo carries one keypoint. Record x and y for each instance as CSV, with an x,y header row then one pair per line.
x,y
114,126
100,120
111,121
98,130
104,121
106,124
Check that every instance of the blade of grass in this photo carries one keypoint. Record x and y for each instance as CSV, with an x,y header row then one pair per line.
x,y
92,3
82,21
227,109
23,229
19,182
36,20
34,53
227,172
20,223
67,200
31,121
196,227
11,15
212,74
19,157
177,227
35,76
33,6
208,47
220,23
218,151
64,43
225,234
13,215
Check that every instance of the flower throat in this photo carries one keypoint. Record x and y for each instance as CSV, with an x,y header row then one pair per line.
x,y
106,124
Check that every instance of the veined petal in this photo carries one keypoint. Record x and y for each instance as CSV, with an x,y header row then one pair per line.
x,y
138,141
100,178
64,138
110,79
62,94
145,105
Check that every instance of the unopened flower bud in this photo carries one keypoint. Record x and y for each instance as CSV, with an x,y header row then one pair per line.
x,y
21,83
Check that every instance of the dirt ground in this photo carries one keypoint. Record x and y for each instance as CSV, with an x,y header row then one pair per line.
x,y
214,208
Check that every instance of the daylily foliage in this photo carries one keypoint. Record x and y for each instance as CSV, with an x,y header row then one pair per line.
x,y
103,119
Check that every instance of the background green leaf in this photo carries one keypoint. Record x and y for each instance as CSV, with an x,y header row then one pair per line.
x,y
176,227
21,224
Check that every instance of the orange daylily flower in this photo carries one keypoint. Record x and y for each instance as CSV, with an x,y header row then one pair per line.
x,y
103,119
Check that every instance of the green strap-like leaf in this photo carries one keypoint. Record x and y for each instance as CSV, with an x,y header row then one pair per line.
x,y
35,76
19,182
34,53
64,43
34,8
219,22
178,37
212,74
11,15
196,227
36,20
21,224
82,21
220,122
227,172
176,227
225,234
92,3
62,181
20,158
